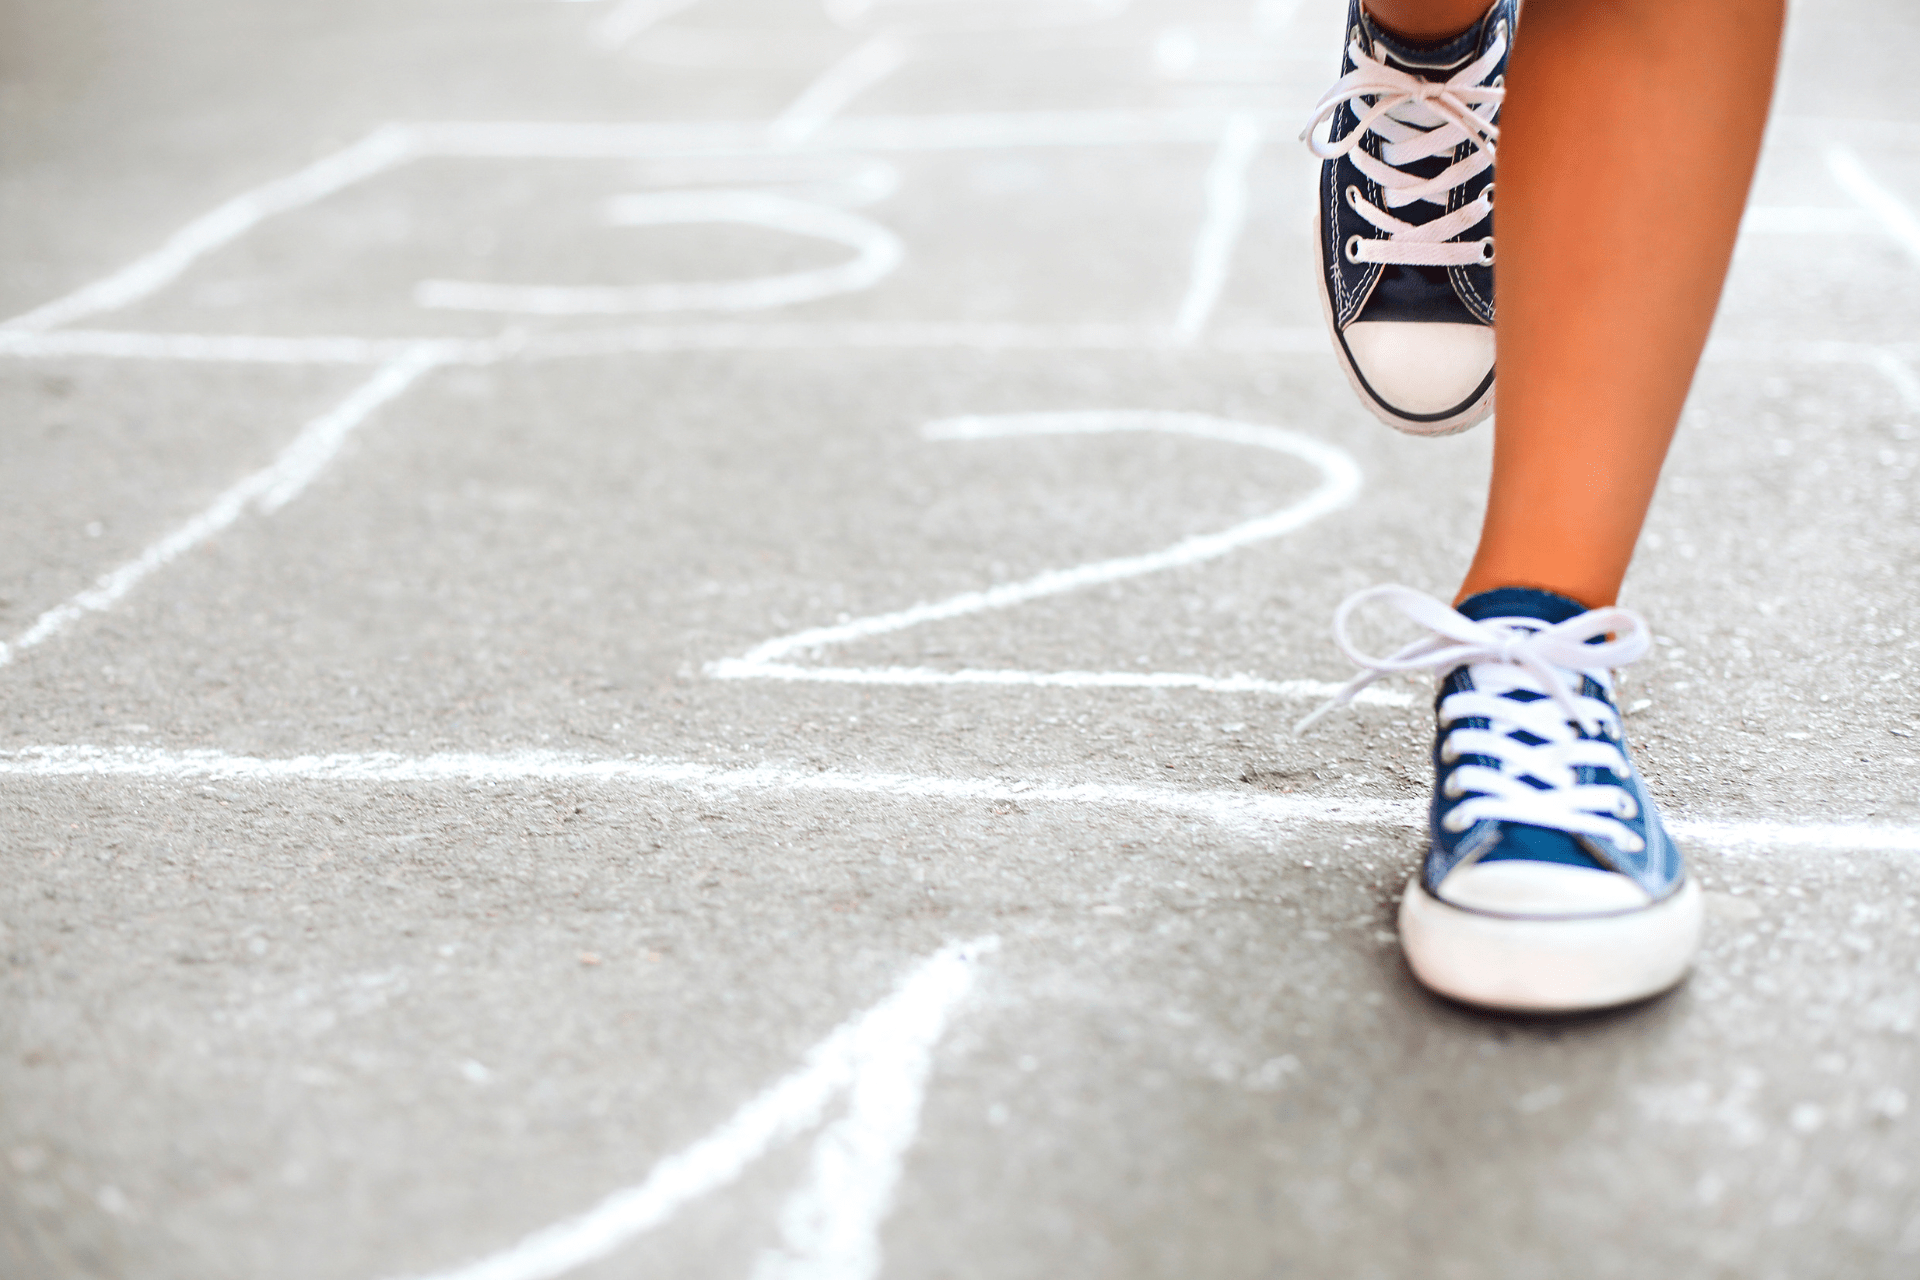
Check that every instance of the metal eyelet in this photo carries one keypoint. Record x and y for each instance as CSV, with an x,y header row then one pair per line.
x,y
1353,195
1486,195
1456,822
1448,752
1626,807
1486,252
1353,248
1633,844
1452,787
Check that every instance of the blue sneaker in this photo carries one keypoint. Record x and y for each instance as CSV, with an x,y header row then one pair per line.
x,y
1550,883
1404,219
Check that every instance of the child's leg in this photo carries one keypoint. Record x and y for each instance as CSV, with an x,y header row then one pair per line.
x,y
1628,140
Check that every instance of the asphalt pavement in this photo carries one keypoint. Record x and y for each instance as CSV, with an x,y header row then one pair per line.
x,y
659,638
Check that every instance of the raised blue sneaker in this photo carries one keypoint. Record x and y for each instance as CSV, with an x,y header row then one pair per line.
x,y
1404,219
1550,883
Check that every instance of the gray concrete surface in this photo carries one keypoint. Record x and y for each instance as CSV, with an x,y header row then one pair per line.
x,y
327,953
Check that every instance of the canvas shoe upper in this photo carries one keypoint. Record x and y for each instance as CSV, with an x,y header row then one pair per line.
x,y
1404,218
1524,775
1549,880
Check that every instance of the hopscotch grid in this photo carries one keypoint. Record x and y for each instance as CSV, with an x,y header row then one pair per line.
x,y
29,335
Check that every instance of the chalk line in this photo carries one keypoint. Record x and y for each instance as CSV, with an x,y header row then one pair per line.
x,y
1800,350
830,1225
236,348
1261,812
1897,370
1886,360
877,252
1894,215
269,489
628,19
880,1059
740,669
1226,215
1837,837
867,65
1255,812
1340,482
1805,220
380,150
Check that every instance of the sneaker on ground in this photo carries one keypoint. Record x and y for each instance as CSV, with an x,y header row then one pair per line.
x,y
1550,883
1404,220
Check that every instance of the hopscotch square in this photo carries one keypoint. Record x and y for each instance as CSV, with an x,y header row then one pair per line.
x,y
458,534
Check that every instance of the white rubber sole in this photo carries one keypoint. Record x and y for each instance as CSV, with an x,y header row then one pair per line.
x,y
1472,415
1549,965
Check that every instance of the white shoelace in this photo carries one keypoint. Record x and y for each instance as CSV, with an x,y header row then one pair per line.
x,y
1415,119
1574,730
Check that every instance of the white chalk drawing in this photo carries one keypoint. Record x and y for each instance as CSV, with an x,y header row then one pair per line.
x,y
1889,210
1339,483
839,85
267,490
1226,194
829,1228
877,251
387,149
1260,815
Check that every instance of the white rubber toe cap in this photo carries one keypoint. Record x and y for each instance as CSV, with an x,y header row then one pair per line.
x,y
1522,945
1541,890
1419,368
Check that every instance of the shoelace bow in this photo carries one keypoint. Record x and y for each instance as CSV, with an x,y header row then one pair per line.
x,y
1416,118
1571,730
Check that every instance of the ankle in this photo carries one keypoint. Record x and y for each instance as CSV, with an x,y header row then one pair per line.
x,y
1587,596
1425,21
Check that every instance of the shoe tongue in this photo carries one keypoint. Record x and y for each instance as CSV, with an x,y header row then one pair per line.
x,y
1431,60
1516,603
1520,602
